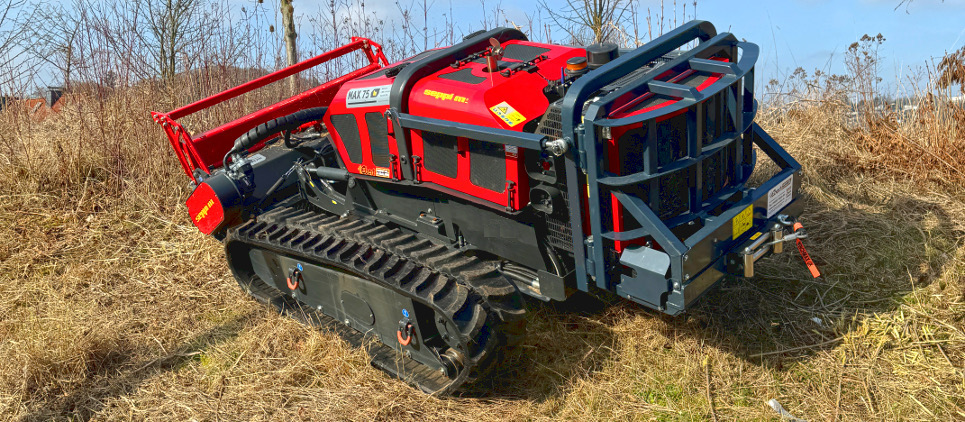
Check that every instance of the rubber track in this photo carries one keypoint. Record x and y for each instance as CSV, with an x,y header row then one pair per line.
x,y
486,307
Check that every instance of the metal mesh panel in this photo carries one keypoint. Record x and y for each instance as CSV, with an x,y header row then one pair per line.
x,y
632,145
551,124
441,152
348,130
711,119
487,165
671,139
559,230
378,138
674,195
560,233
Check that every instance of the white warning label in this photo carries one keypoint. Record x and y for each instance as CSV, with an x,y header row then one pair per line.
x,y
368,97
779,196
512,151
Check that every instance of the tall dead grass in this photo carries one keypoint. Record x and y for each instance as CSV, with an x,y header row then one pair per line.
x,y
112,306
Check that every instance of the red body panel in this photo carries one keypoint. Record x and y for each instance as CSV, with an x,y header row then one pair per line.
x,y
341,106
205,209
479,98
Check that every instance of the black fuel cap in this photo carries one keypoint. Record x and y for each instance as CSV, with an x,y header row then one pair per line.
x,y
601,54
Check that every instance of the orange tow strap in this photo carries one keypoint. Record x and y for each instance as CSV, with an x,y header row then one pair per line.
x,y
804,253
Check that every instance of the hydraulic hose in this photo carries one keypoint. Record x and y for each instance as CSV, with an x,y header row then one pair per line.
x,y
270,128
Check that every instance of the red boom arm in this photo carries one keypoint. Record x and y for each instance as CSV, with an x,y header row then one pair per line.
x,y
207,150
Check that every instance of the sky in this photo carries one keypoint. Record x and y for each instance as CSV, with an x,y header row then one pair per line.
x,y
813,34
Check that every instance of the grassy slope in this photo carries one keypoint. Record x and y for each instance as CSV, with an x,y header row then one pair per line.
x,y
113,307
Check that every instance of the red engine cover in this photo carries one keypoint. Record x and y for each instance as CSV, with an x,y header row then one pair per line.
x,y
466,94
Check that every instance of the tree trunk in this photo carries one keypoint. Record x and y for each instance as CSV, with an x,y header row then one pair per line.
x,y
288,23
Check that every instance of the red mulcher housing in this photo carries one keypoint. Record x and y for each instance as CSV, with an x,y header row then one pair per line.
x,y
412,203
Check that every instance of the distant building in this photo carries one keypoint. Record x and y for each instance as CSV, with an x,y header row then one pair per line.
x,y
52,100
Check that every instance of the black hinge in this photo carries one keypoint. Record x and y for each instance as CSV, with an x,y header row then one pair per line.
x,y
394,167
510,195
417,169
580,152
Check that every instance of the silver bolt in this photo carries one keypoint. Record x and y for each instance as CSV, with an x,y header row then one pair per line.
x,y
686,277
686,257
676,285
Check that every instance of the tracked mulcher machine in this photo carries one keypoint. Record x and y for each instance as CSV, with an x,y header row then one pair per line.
x,y
410,206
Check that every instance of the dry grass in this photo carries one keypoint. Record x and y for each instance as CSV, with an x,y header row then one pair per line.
x,y
113,307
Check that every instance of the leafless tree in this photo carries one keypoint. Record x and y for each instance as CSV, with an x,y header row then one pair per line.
x,y
13,14
55,42
290,37
590,21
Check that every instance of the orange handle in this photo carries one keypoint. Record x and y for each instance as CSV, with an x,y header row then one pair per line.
x,y
804,253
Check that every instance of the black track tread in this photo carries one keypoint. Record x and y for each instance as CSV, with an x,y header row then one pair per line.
x,y
486,307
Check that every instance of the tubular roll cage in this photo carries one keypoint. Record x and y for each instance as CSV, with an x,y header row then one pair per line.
x,y
737,81
205,153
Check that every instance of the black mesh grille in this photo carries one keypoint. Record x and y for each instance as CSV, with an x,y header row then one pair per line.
x,y
348,130
717,171
378,138
551,124
523,53
671,139
632,145
560,233
464,75
487,165
711,119
559,230
441,152
674,195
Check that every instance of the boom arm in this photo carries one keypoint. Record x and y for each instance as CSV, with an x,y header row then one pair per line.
x,y
205,152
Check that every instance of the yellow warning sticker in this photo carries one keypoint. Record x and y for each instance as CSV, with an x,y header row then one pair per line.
x,y
743,221
506,112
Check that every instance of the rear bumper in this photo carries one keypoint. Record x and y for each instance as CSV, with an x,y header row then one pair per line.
x,y
709,257
671,279
731,258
